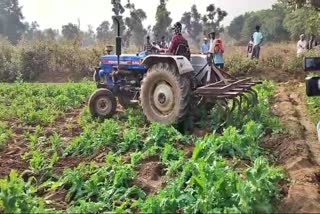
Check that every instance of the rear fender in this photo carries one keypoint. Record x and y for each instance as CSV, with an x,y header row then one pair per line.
x,y
182,64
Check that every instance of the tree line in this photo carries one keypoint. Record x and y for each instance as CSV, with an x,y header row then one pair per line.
x,y
13,26
285,21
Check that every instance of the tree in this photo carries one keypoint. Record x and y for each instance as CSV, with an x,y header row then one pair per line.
x,y
89,36
11,17
236,26
249,27
50,34
303,20
134,23
117,7
186,20
297,4
70,31
118,10
271,21
32,31
192,22
103,32
163,20
213,19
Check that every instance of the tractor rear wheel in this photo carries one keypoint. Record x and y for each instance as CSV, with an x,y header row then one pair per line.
x,y
165,94
102,103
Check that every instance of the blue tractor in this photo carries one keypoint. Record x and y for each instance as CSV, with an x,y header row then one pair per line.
x,y
167,86
122,80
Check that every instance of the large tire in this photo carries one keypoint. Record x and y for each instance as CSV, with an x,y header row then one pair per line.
x,y
102,104
165,94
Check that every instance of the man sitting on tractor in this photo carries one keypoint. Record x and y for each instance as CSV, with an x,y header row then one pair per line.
x,y
179,45
151,48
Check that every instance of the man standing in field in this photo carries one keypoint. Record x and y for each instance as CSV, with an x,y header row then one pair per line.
x,y
205,46
257,41
216,50
302,45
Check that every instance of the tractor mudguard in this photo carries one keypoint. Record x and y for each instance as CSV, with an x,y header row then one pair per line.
x,y
183,64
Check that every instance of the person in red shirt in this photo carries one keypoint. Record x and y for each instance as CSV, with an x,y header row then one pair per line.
x,y
179,45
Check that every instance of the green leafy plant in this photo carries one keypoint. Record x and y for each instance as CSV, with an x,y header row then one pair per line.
x,y
159,135
5,135
17,196
107,134
132,139
89,184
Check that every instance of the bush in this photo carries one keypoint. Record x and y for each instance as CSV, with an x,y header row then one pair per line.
x,y
34,58
9,62
238,64
29,59
295,64
274,61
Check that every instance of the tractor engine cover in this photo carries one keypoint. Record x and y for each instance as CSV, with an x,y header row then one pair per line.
x,y
128,64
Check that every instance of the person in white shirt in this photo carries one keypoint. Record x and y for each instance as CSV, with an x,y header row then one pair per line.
x,y
302,45
250,47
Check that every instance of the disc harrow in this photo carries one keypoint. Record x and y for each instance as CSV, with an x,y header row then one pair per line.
x,y
230,94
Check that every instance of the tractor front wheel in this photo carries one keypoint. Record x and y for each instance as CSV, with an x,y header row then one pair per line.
x,y
165,94
102,104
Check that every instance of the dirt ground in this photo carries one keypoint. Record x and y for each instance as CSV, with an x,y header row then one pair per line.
x,y
11,157
298,152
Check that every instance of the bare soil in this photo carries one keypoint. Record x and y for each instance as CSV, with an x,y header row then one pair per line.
x,y
11,156
297,152
151,174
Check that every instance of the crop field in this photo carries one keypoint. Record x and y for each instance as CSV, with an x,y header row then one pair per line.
x,y
56,158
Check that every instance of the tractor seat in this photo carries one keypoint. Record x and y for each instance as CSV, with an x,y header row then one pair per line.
x,y
183,50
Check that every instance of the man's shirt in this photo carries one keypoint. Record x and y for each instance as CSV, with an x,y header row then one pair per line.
x,y
257,38
176,41
148,47
205,48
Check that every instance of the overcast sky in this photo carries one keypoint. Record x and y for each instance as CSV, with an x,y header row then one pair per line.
x,y
55,13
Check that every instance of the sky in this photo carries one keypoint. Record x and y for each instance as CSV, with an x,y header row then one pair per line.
x,y
55,13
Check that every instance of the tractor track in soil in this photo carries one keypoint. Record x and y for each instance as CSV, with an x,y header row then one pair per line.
x,y
298,151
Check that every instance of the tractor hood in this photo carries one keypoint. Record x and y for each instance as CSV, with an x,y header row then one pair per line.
x,y
124,59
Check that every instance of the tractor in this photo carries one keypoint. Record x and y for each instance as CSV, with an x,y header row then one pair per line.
x,y
166,86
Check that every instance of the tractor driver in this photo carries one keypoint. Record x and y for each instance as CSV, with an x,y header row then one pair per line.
x,y
179,45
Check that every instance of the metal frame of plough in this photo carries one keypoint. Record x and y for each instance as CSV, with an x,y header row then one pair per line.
x,y
223,89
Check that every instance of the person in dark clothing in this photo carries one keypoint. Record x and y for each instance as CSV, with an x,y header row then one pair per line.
x,y
312,42
150,48
148,45
179,45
